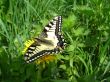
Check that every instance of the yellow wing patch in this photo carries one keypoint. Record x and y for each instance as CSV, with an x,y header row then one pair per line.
x,y
27,44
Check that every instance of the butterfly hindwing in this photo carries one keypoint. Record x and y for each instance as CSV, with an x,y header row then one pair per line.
x,y
49,41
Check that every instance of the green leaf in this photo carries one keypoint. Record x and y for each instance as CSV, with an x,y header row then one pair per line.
x,y
60,81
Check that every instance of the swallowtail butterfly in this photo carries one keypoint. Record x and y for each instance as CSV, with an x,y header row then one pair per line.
x,y
50,41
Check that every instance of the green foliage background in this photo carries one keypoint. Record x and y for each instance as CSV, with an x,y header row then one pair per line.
x,y
86,29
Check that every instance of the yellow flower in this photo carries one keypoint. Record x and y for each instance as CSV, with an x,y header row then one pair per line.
x,y
46,59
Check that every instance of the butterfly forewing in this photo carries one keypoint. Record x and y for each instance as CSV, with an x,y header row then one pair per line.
x,y
49,41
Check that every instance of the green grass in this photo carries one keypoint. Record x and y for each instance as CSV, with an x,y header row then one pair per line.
x,y
86,29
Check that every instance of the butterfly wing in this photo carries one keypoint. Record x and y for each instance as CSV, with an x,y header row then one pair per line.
x,y
48,42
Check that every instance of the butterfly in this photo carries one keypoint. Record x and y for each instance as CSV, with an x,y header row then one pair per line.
x,y
50,41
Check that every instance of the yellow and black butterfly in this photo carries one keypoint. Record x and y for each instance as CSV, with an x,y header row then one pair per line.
x,y
49,42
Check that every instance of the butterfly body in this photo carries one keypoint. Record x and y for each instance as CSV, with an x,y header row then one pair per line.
x,y
50,41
